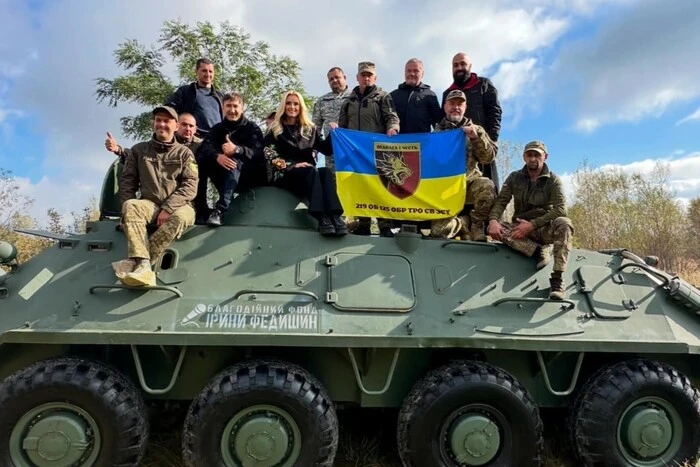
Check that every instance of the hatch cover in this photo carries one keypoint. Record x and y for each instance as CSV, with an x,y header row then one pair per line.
x,y
370,282
604,293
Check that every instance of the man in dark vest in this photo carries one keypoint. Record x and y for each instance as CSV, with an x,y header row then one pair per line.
x,y
200,98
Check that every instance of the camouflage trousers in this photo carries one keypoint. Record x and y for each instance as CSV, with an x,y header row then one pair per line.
x,y
557,233
481,192
138,213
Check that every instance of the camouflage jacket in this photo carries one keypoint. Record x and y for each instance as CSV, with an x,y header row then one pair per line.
x,y
481,150
327,109
192,146
539,202
373,112
165,173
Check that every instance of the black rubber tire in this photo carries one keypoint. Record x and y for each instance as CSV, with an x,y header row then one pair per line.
x,y
263,381
102,391
444,391
600,405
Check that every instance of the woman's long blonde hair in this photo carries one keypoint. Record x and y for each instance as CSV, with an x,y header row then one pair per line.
x,y
304,121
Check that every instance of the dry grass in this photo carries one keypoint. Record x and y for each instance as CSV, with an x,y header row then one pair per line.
x,y
689,271
367,439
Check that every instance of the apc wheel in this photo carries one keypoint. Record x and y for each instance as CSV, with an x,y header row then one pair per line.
x,y
469,414
637,413
69,412
263,413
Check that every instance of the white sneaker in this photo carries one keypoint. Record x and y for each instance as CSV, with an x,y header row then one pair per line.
x,y
141,276
123,267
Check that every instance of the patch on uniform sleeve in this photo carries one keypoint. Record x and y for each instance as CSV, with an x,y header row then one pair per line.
x,y
194,167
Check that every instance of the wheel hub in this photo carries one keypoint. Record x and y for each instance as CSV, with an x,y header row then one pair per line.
x,y
474,439
261,435
55,435
263,439
649,431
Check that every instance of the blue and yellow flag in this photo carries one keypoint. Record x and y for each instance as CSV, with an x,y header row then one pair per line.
x,y
418,176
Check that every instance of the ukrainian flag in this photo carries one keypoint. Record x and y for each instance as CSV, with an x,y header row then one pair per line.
x,y
418,176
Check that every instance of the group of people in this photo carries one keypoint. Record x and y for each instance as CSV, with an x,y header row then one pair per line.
x,y
201,135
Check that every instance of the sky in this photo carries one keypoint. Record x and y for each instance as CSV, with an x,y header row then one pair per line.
x,y
609,82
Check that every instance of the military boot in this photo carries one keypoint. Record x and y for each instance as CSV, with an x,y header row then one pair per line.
x,y
476,232
141,276
556,287
544,254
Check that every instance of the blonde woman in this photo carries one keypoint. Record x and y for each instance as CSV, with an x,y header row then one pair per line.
x,y
290,144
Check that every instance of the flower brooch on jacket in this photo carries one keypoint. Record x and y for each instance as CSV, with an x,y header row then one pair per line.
x,y
276,165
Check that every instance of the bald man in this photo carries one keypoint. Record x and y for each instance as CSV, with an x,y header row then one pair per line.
x,y
483,107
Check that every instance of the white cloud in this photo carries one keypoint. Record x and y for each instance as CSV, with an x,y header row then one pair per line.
x,y
63,195
5,113
514,76
588,125
640,65
692,117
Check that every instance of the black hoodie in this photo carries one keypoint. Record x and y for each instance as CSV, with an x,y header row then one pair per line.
x,y
243,133
417,107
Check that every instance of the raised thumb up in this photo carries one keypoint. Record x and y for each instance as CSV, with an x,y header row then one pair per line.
x,y
228,148
111,143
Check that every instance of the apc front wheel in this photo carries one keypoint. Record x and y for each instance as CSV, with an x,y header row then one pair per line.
x,y
469,414
638,414
264,413
69,412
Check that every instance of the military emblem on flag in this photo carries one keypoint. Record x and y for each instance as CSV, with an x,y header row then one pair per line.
x,y
419,176
398,167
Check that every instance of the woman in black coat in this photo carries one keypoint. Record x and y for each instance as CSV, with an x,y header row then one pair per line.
x,y
290,145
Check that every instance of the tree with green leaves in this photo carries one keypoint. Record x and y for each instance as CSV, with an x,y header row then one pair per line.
x,y
241,65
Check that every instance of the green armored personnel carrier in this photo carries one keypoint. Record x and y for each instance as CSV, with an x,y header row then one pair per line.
x,y
267,329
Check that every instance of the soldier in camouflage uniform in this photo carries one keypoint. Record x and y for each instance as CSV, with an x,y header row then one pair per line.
x,y
327,107
371,109
540,214
481,192
165,172
186,134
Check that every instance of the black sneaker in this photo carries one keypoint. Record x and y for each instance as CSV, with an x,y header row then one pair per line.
x,y
386,232
214,218
339,224
325,226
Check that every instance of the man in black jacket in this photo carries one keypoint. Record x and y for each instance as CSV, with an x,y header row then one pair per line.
x,y
232,147
483,107
200,98
416,104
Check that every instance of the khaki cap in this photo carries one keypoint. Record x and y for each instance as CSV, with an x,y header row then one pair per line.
x,y
366,66
456,94
536,146
166,109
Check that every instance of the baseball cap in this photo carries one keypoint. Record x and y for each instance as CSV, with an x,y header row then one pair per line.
x,y
366,66
456,94
166,109
536,146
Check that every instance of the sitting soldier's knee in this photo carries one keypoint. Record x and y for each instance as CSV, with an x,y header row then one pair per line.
x,y
132,211
562,223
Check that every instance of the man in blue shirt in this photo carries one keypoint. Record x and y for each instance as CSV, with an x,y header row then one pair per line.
x,y
200,98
